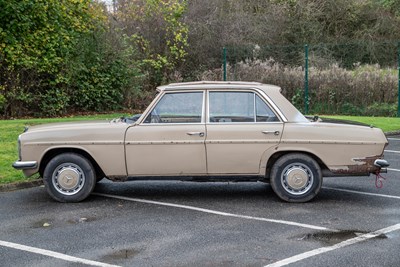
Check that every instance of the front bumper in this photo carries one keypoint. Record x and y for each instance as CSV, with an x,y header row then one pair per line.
x,y
25,165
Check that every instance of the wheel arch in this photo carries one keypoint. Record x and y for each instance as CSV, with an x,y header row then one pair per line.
x,y
51,153
274,157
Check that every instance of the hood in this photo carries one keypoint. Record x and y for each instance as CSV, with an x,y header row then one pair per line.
x,y
73,125
85,131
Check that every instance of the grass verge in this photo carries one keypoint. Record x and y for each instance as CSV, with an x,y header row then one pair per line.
x,y
387,124
10,129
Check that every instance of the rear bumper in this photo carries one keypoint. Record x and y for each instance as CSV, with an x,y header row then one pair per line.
x,y
382,164
25,165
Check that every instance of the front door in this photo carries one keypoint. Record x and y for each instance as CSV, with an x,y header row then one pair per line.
x,y
171,139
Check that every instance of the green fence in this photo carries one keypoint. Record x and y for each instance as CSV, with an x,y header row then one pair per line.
x,y
360,78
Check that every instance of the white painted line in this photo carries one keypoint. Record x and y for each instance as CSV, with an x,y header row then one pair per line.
x,y
309,226
361,193
394,139
54,254
345,243
392,151
393,170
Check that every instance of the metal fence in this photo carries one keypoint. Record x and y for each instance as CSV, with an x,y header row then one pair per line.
x,y
360,78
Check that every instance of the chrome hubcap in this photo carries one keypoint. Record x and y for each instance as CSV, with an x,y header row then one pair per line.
x,y
68,178
297,178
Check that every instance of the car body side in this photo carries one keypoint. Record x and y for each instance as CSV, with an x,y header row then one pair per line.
x,y
339,149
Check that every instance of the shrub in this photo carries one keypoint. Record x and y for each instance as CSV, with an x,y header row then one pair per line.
x,y
381,110
53,102
332,90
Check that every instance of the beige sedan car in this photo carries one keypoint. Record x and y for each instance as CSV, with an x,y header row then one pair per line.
x,y
203,131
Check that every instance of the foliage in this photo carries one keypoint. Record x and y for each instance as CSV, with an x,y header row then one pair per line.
x,y
58,56
53,102
61,55
157,28
332,90
35,38
381,109
102,73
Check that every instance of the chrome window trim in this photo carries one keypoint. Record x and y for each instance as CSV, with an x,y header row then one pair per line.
x,y
263,96
161,95
271,104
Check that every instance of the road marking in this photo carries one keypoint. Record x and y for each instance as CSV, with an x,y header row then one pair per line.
x,y
309,226
394,139
53,254
345,243
392,151
394,170
361,193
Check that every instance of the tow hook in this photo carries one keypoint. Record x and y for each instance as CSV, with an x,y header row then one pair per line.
x,y
382,164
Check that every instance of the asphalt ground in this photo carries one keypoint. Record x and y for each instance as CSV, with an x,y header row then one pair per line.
x,y
350,223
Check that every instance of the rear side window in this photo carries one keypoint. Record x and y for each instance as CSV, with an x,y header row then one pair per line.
x,y
238,107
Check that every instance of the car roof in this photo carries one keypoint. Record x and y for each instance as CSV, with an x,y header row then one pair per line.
x,y
216,85
288,111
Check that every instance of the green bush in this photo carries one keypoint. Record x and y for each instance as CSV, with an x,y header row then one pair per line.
x,y
350,109
381,110
53,102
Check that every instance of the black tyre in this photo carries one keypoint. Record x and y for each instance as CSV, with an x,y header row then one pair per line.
x,y
69,177
296,177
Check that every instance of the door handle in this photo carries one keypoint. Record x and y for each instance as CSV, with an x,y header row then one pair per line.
x,y
271,132
201,134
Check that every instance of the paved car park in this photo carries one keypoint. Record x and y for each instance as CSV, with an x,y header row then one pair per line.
x,y
351,222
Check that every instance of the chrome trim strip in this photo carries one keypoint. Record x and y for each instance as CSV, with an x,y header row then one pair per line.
x,y
272,104
76,143
23,165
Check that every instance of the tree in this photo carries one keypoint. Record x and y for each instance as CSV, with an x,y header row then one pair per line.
x,y
35,39
158,30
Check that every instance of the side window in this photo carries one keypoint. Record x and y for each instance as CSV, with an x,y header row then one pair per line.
x,y
231,107
264,112
177,108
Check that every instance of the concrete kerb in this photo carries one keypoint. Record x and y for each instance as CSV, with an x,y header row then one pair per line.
x,y
20,185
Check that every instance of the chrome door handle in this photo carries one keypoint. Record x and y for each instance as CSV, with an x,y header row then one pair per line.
x,y
201,134
271,132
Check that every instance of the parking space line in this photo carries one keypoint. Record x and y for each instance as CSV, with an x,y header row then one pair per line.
x,y
53,254
345,243
309,226
392,151
394,170
361,193
394,139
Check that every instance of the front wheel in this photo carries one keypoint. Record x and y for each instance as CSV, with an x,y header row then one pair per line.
x,y
296,177
69,177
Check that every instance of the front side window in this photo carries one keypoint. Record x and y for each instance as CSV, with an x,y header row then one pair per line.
x,y
177,108
239,107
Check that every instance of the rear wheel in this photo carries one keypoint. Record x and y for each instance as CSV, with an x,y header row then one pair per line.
x,y
296,177
69,177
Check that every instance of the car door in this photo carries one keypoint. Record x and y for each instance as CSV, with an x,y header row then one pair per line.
x,y
171,139
241,126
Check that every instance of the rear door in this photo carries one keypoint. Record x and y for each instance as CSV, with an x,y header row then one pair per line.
x,y
241,126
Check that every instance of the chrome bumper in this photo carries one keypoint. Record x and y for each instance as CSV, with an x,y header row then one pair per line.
x,y
23,165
